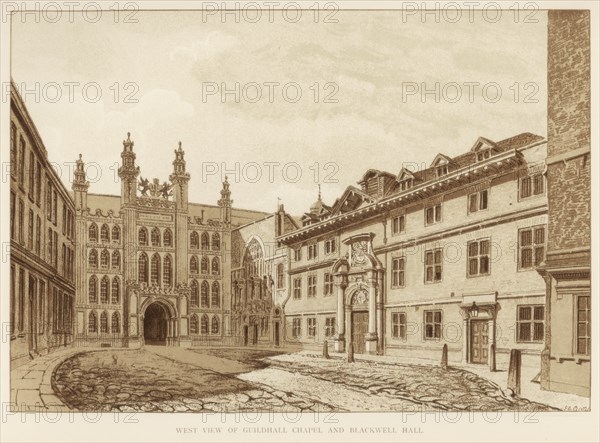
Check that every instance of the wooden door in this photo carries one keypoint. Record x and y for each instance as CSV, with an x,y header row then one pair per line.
x,y
479,341
360,326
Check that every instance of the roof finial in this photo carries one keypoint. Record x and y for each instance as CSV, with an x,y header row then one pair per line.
x,y
180,144
319,191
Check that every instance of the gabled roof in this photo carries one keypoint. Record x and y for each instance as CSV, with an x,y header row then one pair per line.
x,y
373,172
440,159
483,143
350,198
405,174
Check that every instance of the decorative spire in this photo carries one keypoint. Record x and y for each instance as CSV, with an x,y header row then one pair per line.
x,y
128,144
225,200
79,182
179,162
319,191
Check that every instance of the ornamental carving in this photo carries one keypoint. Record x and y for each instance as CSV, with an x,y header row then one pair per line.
x,y
360,297
154,189
359,253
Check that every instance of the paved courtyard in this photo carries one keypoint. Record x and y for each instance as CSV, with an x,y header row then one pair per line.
x,y
172,379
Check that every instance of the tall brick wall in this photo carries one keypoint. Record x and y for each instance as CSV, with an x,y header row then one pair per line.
x,y
568,129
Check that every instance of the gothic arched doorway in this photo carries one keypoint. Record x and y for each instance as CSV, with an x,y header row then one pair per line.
x,y
155,325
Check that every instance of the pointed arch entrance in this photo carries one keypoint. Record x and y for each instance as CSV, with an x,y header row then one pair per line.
x,y
155,324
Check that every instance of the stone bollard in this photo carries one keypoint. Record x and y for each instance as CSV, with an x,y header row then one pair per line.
x,y
351,353
493,357
444,363
514,372
325,350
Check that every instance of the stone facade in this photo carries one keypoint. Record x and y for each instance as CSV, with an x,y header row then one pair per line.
x,y
42,245
566,357
411,261
152,267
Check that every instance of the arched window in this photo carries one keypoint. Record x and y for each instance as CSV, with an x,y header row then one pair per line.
x,y
155,237
104,259
194,241
115,296
214,325
116,259
204,265
143,237
204,324
204,294
194,264
93,259
116,233
92,323
194,324
215,299
216,268
155,270
104,284
195,297
167,271
280,276
204,243
115,323
93,233
143,268
168,238
104,323
93,289
216,241
104,233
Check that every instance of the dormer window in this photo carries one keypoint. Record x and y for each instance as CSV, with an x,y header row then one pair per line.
x,y
405,185
483,155
442,170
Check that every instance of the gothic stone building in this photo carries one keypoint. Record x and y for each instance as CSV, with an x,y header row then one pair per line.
x,y
417,259
42,248
258,277
152,267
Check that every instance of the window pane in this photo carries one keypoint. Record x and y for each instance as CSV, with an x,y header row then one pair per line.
x,y
429,258
438,317
429,274
582,302
473,249
484,265
526,258
525,313
438,272
473,266
438,256
429,317
526,237
438,331
539,256
473,202
582,346
538,313
525,331
483,200
538,331
539,235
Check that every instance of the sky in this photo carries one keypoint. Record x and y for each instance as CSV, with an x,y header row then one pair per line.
x,y
318,103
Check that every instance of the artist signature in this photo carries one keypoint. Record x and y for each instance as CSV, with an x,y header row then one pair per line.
x,y
576,409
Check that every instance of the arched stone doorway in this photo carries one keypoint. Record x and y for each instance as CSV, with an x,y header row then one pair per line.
x,y
155,325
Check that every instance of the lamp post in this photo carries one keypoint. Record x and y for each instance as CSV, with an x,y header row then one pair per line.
x,y
474,311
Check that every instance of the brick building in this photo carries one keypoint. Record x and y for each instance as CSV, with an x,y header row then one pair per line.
x,y
42,234
415,259
152,267
567,355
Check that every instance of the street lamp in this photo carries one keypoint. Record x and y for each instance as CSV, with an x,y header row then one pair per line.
x,y
474,310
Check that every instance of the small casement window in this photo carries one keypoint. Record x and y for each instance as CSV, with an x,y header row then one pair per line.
x,y
442,170
92,257
92,232
532,247
532,185
478,201
398,224
93,290
215,300
115,295
168,238
399,325
104,288
194,324
143,268
195,296
92,323
104,259
584,324
329,326
328,284
104,234
298,254
204,298
398,265
297,288
478,262
330,246
216,242
311,327
405,185
312,286
214,325
116,233
280,276
194,240
155,269
115,323
143,237
204,324
433,325
296,328
484,154
433,214
204,243
530,323
205,262
194,264
216,266
433,265
312,251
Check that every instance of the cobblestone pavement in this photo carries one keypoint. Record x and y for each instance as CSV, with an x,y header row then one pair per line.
x,y
170,379
142,381
429,386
